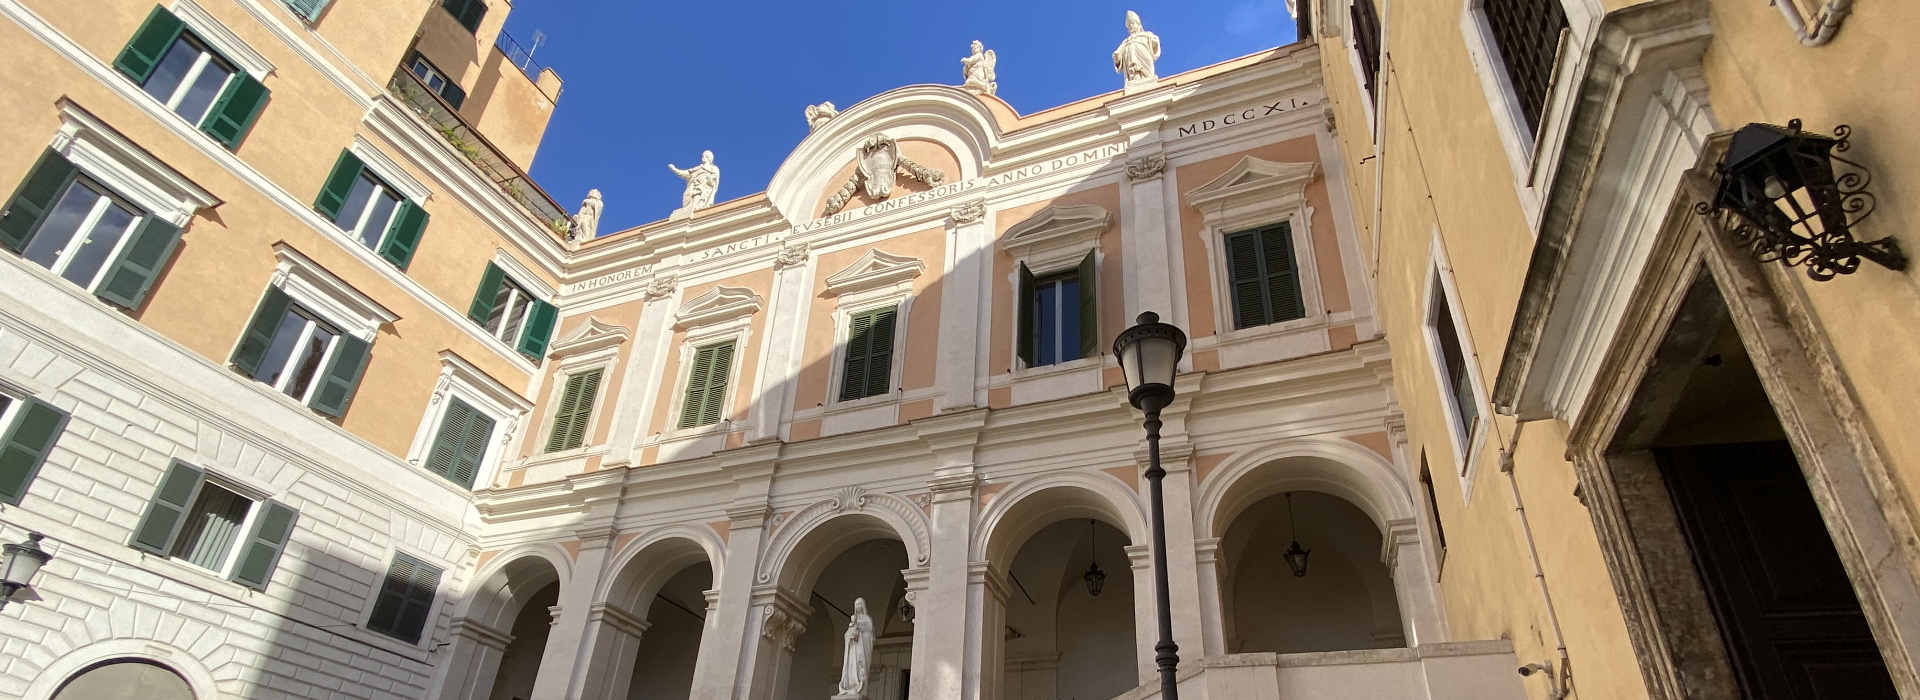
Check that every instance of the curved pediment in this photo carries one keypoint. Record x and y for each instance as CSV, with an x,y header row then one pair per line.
x,y
953,118
718,305
874,270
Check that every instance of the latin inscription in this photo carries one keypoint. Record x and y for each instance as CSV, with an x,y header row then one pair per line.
x,y
1239,117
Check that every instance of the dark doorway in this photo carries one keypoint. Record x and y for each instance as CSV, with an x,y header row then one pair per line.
x,y
1791,623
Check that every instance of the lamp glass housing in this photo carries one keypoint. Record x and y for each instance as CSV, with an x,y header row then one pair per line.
x,y
1095,578
22,561
1150,352
1297,559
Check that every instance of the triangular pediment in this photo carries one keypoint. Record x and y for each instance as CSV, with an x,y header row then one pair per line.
x,y
1057,223
589,336
717,305
1253,176
873,270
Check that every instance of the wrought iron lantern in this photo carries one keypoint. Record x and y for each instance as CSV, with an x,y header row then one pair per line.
x,y
21,562
1295,556
1095,578
1785,195
906,610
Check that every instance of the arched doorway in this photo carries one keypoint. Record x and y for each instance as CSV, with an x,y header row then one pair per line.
x,y
499,635
664,663
125,679
644,637
520,660
869,571
1070,614
1344,601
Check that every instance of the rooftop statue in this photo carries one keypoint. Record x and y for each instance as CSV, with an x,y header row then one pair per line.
x,y
1134,59
586,223
819,114
703,181
979,70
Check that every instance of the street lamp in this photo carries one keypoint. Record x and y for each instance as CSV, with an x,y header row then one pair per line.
x,y
22,561
1149,354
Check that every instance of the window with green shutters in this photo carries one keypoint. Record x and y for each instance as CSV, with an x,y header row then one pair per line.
x,y
511,314
467,12
706,393
177,68
868,370
574,416
1058,315
460,445
300,354
308,10
373,212
67,222
406,597
1263,276
28,429
209,524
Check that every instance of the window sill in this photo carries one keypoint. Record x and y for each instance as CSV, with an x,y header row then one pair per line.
x,y
1056,368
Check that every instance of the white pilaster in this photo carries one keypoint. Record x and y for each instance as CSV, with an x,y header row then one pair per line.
x,y
779,358
633,407
1406,557
615,635
986,632
563,665
472,661
1213,618
964,317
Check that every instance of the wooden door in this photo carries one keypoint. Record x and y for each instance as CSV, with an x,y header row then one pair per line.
x,y
1786,611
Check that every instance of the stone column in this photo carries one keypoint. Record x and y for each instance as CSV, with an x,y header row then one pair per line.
x,y
616,643
633,403
724,645
563,665
1405,554
786,324
1149,250
779,617
964,313
986,635
1145,612
943,606
1214,624
472,660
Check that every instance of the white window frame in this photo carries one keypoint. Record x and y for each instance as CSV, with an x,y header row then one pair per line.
x,y
1227,208
388,176
12,407
1350,40
735,330
1531,154
221,39
434,71
1052,241
64,257
518,275
300,348
604,359
462,380
194,72
127,170
326,295
900,298
210,478
1466,440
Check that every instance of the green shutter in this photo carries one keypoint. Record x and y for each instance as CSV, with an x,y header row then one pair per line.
x,y
168,509
1243,274
405,599
538,329
336,389
149,44
1024,318
25,445
259,334
707,386
404,235
261,549
232,116
333,194
129,277
30,202
880,352
853,375
460,444
1089,308
483,298
308,9
575,412
1282,273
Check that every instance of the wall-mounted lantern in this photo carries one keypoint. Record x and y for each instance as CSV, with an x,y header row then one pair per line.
x,y
21,562
1784,195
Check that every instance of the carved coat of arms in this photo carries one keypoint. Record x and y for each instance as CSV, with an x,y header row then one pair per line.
x,y
880,167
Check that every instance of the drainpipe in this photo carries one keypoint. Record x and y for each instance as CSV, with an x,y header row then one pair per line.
x,y
1558,673
1380,131
1829,18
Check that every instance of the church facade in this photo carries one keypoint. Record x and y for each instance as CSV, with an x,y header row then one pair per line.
x,y
309,391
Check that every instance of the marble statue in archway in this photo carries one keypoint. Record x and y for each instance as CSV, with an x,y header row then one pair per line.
x,y
858,655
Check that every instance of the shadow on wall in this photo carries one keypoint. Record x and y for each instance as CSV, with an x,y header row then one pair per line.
x,y
1347,599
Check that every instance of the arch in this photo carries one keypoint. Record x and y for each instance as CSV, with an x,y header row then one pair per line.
x,y
1026,507
645,565
1335,467
945,114
199,680
805,543
497,592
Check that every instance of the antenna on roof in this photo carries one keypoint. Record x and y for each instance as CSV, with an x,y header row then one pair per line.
x,y
539,38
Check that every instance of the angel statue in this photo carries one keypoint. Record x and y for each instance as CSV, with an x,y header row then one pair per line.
x,y
979,70
1134,59
819,114
587,222
858,655
703,181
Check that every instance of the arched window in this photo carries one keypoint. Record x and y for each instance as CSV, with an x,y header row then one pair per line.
x,y
125,679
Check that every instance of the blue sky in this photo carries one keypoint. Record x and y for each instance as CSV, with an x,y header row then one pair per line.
x,y
652,82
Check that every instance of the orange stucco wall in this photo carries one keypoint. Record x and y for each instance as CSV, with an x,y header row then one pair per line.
x,y
1112,273
923,319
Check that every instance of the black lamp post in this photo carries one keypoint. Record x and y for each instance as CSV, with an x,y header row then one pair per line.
x,y
1784,195
1149,354
22,561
